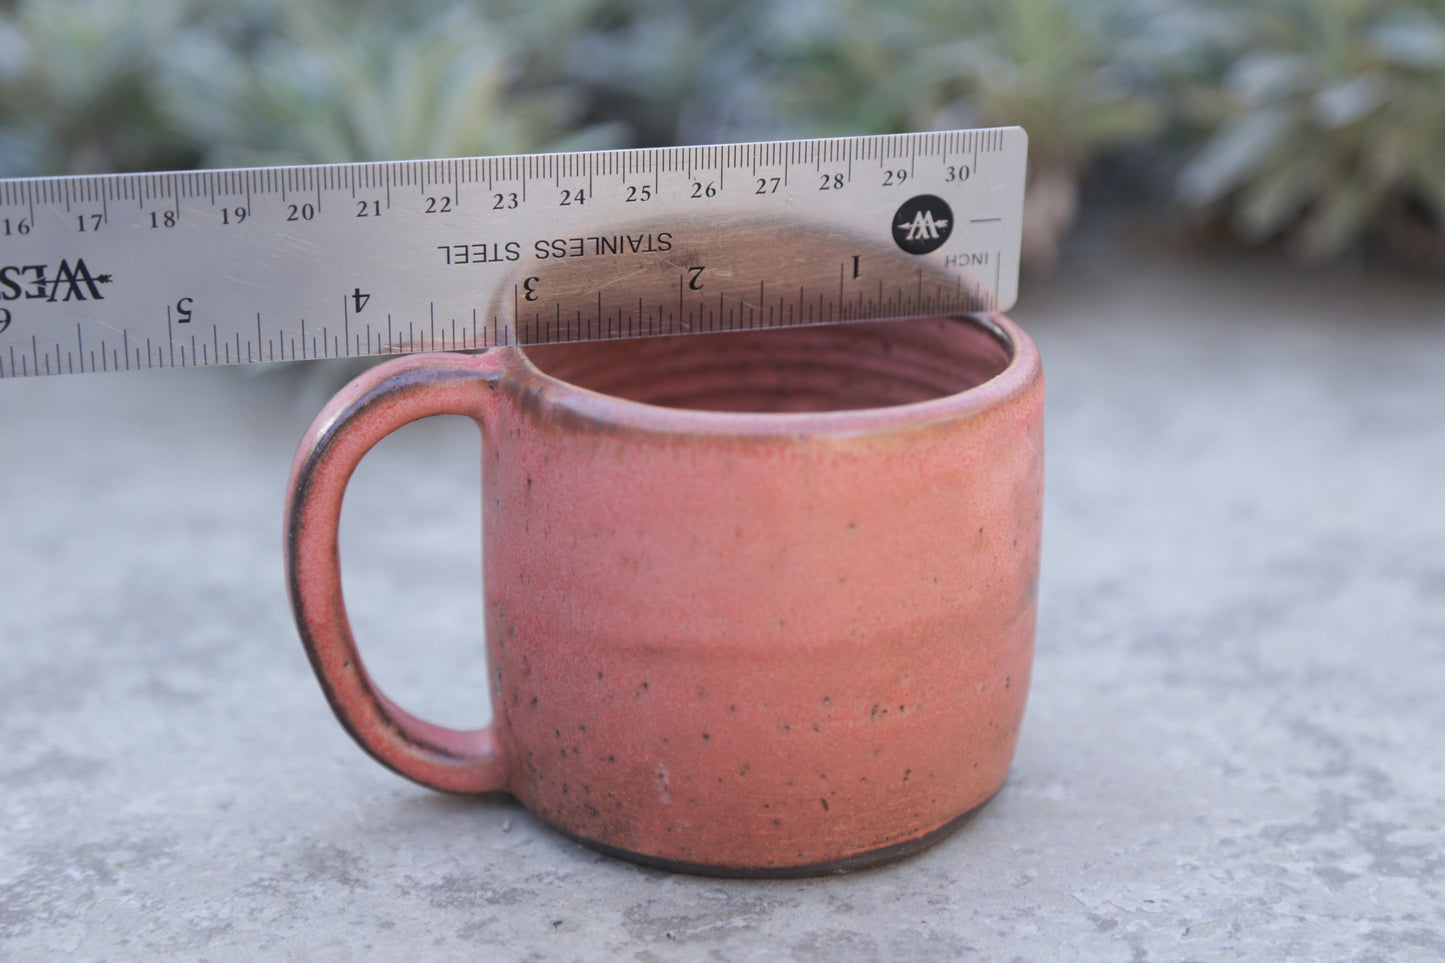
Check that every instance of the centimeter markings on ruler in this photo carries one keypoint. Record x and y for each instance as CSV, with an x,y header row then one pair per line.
x,y
196,268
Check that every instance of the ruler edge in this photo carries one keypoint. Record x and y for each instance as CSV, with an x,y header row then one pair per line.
x,y
1004,131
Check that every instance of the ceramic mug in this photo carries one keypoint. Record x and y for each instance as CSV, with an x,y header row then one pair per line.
x,y
757,603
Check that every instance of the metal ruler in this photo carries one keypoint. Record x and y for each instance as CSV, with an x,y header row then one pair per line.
x,y
126,271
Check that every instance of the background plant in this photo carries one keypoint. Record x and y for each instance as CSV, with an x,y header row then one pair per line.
x,y
325,85
1049,65
1315,122
1324,122
81,88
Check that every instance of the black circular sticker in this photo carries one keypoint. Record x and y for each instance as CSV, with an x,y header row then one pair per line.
x,y
922,224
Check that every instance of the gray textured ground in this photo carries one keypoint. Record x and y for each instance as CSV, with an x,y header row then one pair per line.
x,y
1233,747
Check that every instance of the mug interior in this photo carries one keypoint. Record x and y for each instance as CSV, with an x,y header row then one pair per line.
x,y
871,364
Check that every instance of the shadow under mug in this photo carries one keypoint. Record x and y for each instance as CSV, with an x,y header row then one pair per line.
x,y
757,604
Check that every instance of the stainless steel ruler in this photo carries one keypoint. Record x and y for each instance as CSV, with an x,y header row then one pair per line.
x,y
126,271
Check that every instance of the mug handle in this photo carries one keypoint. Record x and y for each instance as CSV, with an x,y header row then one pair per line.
x,y
371,407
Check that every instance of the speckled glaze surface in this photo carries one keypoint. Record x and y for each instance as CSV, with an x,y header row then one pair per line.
x,y
756,604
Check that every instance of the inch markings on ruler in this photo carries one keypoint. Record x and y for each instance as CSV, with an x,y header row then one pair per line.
x,y
199,268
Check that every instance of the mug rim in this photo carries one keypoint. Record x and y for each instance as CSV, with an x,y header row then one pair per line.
x,y
1022,371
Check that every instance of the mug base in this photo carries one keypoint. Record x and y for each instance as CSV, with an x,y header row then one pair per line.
x,y
869,859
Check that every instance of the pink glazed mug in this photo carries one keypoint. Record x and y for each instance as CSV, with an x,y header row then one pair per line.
x,y
757,604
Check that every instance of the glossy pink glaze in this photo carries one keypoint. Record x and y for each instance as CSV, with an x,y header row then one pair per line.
x,y
727,641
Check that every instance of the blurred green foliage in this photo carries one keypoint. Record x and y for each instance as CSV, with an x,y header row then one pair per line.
x,y
81,87
1049,65
1324,121
1316,122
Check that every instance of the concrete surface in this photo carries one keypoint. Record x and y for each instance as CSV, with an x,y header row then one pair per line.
x,y
1233,747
